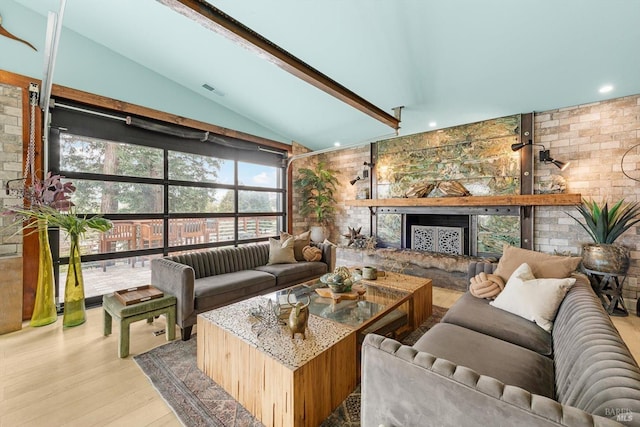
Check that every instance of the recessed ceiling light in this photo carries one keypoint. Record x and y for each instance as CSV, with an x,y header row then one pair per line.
x,y
605,89
432,124
337,143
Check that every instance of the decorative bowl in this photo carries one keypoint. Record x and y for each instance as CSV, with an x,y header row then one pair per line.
x,y
340,287
325,278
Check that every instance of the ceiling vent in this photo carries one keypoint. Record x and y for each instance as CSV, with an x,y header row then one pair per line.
x,y
212,89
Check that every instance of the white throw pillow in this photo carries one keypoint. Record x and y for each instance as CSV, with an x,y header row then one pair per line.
x,y
534,299
281,252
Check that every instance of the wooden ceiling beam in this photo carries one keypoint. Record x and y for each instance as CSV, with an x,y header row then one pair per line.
x,y
214,19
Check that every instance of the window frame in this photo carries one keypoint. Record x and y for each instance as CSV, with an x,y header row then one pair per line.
x,y
105,125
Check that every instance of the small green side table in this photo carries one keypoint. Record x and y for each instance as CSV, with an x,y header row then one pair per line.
x,y
127,314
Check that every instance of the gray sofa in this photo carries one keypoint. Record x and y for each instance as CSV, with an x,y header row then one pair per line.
x,y
202,281
484,366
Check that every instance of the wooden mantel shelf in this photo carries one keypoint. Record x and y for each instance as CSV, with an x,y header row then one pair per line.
x,y
511,200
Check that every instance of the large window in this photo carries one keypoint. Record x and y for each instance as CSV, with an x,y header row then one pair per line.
x,y
164,194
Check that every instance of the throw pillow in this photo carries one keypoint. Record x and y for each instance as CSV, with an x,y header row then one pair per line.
x,y
486,285
533,299
543,266
281,251
311,253
300,241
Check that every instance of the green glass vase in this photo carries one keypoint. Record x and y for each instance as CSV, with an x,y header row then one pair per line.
x,y
74,308
44,309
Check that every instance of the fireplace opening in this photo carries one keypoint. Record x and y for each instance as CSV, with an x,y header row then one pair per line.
x,y
485,229
437,233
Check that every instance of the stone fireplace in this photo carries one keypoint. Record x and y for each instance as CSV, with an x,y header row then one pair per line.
x,y
473,231
480,230
492,222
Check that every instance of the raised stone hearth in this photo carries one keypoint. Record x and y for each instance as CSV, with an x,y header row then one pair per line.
x,y
446,271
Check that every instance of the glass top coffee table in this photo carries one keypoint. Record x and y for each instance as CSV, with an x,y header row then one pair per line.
x,y
295,382
378,302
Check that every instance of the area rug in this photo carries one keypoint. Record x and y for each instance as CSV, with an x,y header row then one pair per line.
x,y
199,401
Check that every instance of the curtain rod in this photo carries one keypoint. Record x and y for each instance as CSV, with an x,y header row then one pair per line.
x,y
84,110
126,120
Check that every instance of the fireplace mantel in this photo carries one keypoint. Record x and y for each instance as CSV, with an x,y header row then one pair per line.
x,y
505,200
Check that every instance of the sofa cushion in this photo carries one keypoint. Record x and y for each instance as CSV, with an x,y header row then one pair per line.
x,y
476,314
221,289
543,266
534,299
509,363
281,251
299,242
485,285
291,274
312,253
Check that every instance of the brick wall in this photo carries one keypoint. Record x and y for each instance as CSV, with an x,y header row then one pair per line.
x,y
594,137
10,160
349,164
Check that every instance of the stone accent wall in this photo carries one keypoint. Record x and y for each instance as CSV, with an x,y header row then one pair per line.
x,y
10,160
594,137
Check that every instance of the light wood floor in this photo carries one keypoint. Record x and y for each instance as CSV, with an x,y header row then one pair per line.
x,y
51,376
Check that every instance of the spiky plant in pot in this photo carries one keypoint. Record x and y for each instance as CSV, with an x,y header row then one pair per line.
x,y
604,225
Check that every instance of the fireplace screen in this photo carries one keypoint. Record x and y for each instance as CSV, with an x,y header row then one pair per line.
x,y
446,240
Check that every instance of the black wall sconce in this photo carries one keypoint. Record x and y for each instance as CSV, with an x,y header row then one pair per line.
x,y
544,157
356,179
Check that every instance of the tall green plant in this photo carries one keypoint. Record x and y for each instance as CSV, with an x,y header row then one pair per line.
x,y
317,187
605,225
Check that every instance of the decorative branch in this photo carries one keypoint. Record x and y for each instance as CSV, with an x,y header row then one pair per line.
x,y
6,33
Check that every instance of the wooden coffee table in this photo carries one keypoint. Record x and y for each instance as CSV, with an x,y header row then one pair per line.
x,y
295,382
419,306
281,381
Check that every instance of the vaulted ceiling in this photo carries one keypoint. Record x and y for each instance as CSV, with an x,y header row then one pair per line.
x,y
447,62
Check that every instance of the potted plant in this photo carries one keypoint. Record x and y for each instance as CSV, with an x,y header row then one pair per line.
x,y
605,225
317,187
